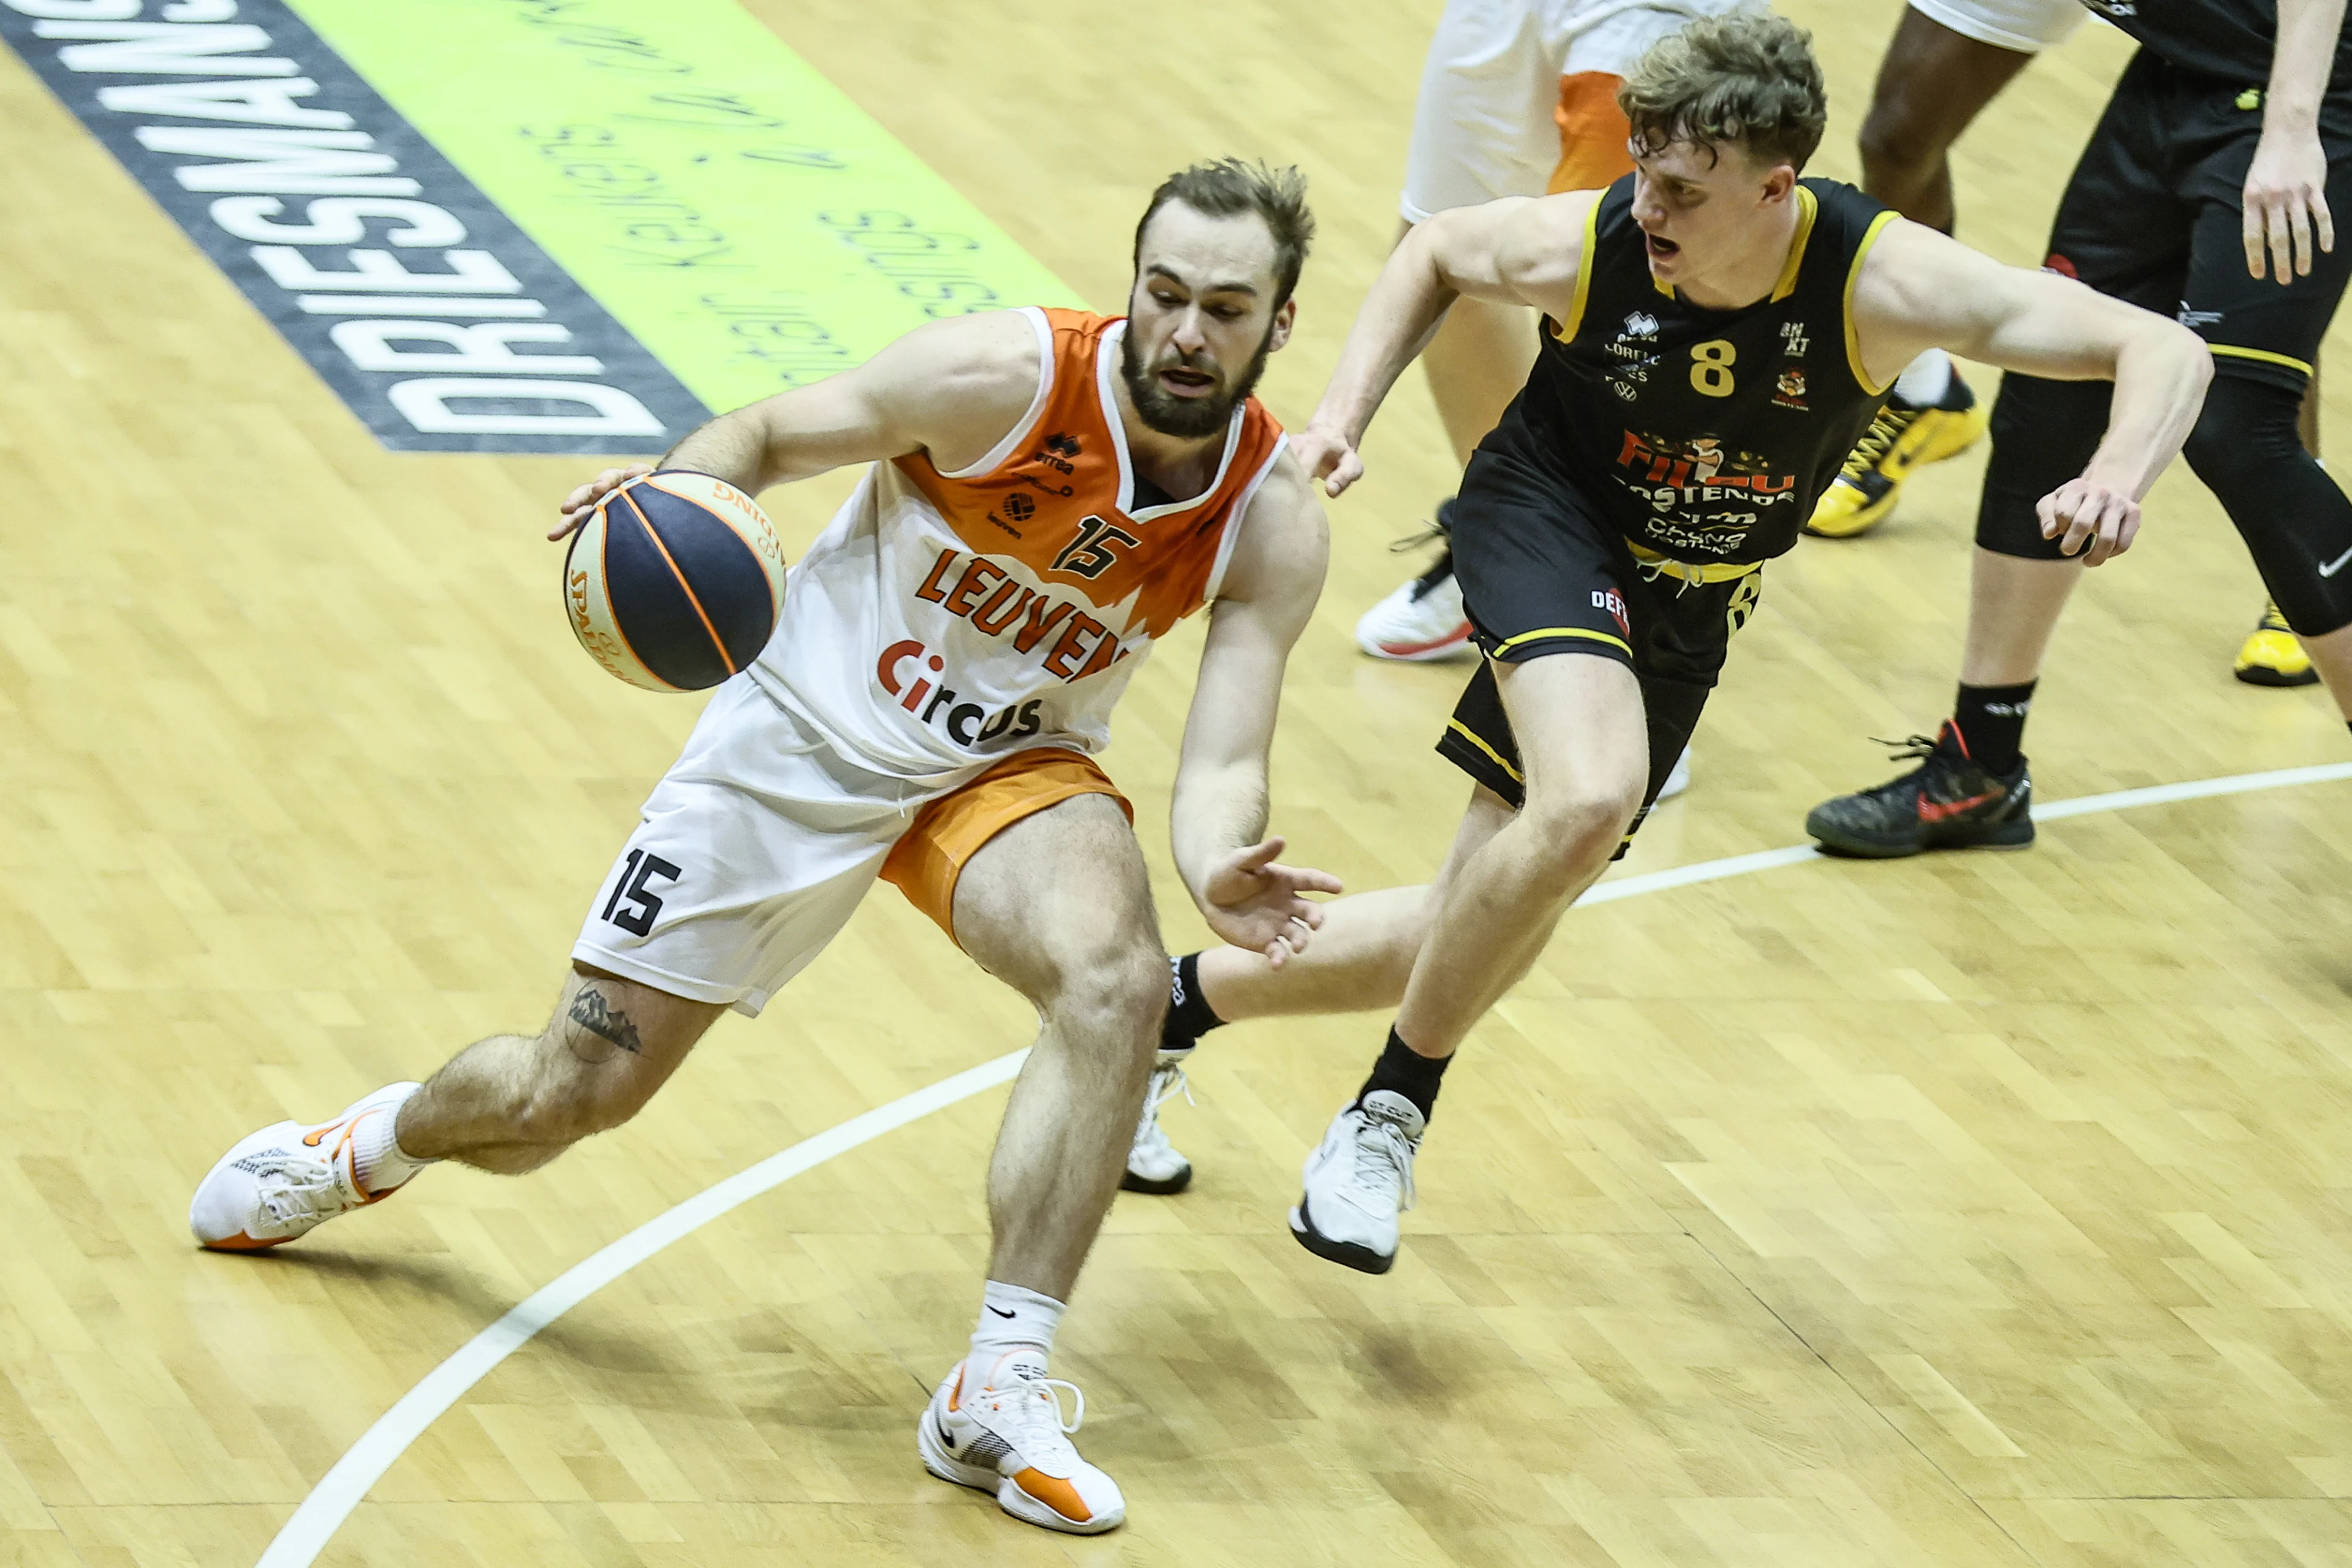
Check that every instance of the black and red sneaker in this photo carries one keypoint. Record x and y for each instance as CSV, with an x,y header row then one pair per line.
x,y
1947,802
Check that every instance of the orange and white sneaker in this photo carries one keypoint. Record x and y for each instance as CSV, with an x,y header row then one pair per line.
x,y
1007,1436
287,1179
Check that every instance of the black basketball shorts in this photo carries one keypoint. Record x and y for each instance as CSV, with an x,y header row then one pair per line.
x,y
1542,573
2153,216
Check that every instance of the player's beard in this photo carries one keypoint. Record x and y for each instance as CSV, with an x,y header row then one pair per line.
x,y
1187,418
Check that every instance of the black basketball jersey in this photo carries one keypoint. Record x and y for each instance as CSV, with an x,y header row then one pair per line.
x,y
2227,38
1704,435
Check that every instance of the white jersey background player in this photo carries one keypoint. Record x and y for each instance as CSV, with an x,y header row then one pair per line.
x,y
1519,98
1050,490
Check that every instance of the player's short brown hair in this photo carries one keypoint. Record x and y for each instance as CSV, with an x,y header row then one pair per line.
x,y
1227,187
1746,79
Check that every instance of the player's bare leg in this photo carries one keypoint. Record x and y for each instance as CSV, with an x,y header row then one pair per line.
x,y
512,1102
1579,724
1583,745
1931,84
1476,364
1059,907
509,1104
2014,609
1363,953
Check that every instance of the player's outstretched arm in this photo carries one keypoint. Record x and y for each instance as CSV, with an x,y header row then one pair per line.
x,y
1217,820
1520,250
951,388
2285,205
1921,289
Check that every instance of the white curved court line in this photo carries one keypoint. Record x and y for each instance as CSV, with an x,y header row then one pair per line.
x,y
341,1489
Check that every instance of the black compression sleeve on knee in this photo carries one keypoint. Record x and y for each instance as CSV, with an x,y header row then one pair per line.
x,y
2295,521
2044,433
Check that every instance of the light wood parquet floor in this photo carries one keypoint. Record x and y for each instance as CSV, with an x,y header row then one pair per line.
x,y
1980,1210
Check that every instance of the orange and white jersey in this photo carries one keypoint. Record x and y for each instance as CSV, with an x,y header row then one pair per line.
x,y
945,619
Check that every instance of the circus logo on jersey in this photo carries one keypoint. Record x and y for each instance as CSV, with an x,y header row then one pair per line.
x,y
922,691
1699,468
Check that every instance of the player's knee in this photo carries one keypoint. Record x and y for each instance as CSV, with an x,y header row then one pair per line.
x,y
1900,147
572,1099
2246,429
1576,821
1116,990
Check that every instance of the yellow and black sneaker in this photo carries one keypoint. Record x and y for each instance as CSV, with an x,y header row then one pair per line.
x,y
1947,802
2270,655
1902,438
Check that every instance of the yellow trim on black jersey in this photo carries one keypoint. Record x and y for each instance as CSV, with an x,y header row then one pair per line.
x,y
1459,728
1853,276
1808,209
2262,354
1541,632
1566,330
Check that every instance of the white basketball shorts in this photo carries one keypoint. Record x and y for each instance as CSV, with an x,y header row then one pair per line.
x,y
756,847
2028,26
1483,126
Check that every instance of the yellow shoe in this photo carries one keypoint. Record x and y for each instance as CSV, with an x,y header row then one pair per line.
x,y
1900,439
2270,655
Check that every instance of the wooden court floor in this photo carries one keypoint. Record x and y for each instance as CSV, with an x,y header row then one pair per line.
x,y
1976,1210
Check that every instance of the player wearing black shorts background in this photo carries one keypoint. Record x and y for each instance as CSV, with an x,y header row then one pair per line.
x,y
1721,332
2229,136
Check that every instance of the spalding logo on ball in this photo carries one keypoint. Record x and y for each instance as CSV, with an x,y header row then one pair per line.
x,y
675,581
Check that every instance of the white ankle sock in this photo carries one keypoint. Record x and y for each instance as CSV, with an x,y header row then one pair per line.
x,y
377,1159
1926,379
1012,1317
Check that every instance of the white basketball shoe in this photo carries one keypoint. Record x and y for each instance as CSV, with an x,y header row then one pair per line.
x,y
1677,778
1007,1437
1358,1179
1423,619
287,1179
1153,1164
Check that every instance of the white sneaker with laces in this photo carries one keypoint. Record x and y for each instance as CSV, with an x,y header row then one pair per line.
x,y
287,1179
1007,1437
1359,1179
1678,780
1423,619
1153,1165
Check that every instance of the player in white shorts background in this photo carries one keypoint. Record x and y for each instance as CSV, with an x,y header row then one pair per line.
x,y
1519,98
1947,60
1050,491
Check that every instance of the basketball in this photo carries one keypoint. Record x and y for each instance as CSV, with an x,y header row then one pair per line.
x,y
675,581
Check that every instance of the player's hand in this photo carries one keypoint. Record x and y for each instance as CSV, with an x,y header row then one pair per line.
x,y
2080,512
1251,901
582,501
1327,454
2286,202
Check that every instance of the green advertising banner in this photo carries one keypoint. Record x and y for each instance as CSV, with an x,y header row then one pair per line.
x,y
744,219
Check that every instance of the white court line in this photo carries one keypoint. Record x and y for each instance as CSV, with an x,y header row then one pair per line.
x,y
341,1489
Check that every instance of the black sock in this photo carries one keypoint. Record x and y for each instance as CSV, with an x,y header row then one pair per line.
x,y
1189,1016
1405,1071
1991,721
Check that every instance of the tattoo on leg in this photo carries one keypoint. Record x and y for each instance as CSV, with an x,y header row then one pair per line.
x,y
590,1011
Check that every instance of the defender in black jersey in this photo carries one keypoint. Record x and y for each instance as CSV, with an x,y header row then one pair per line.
x,y
2230,135
1720,332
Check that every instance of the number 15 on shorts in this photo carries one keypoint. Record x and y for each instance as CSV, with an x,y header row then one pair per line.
x,y
629,888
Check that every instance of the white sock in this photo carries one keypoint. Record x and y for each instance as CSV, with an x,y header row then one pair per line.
x,y
1012,1317
1926,379
377,1159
